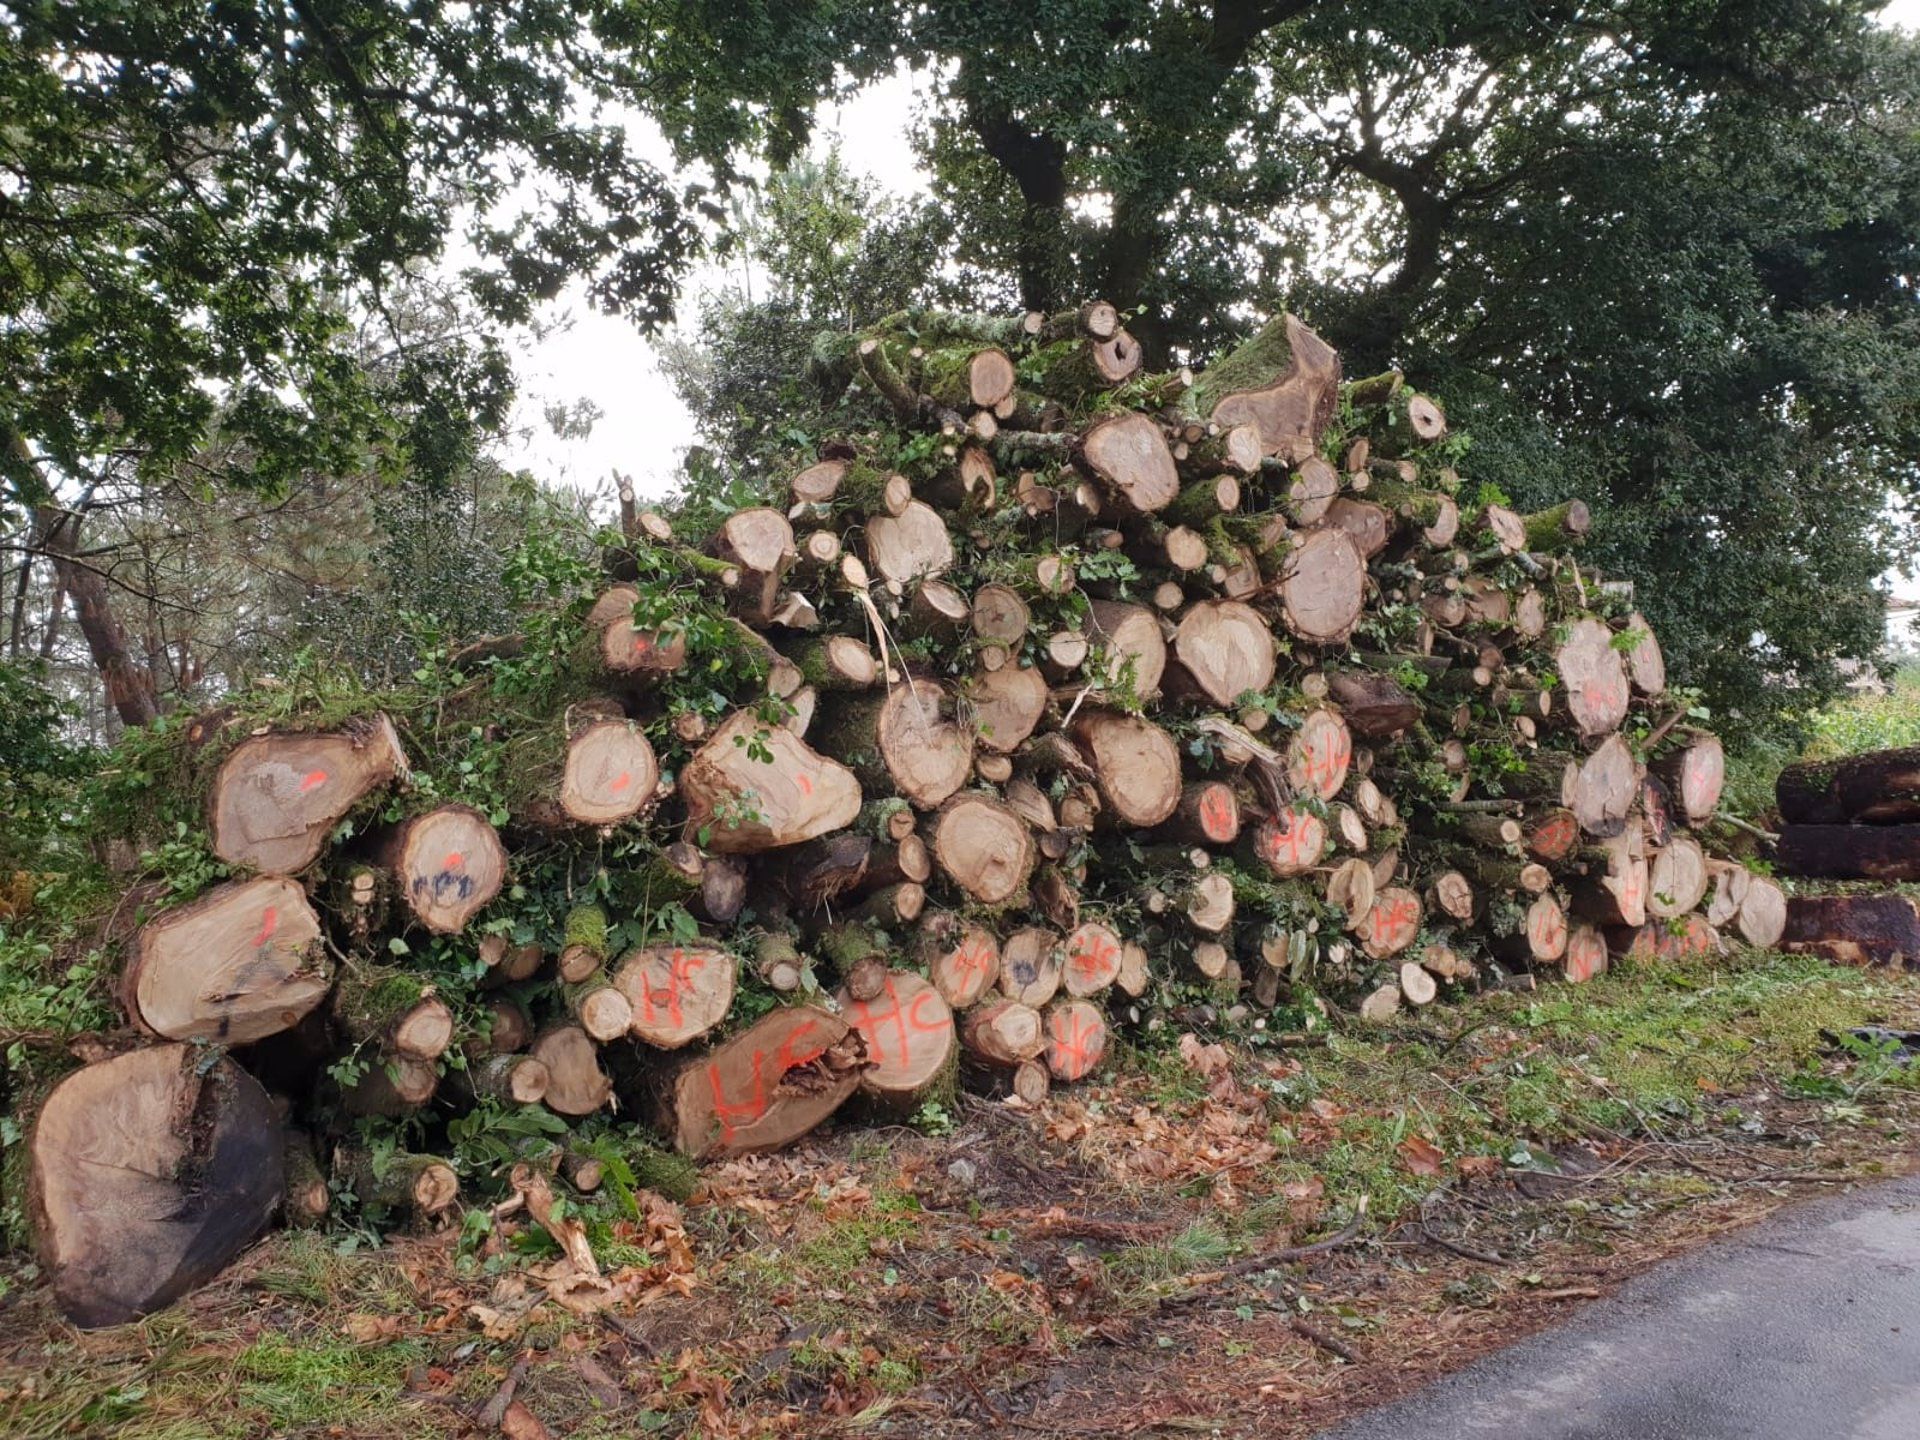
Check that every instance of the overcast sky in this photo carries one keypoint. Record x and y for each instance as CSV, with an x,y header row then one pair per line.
x,y
594,357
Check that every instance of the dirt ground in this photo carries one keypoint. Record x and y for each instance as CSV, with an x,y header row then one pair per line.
x,y
1245,1240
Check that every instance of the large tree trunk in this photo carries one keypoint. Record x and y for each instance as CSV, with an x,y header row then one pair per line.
x,y
128,683
1881,787
766,1087
1851,852
1855,929
278,798
148,1173
242,962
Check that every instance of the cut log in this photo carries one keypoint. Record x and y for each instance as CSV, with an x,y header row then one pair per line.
x,y
1226,648
837,662
1546,930
1032,966
1323,586
447,864
1392,925
1319,755
1586,955
576,1085
396,1009
277,798
1694,774
1290,843
1881,787
983,847
759,544
755,787
818,483
1646,665
393,1086
1092,960
908,1032
1285,380
1618,895
1003,1033
1369,526
1416,984
1601,790
1208,814
243,962
935,608
610,775
1076,1040
907,742
1208,903
419,1185
911,546
676,993
306,1202
822,871
148,1173
766,1087
1676,878
1850,852
1133,651
1128,456
1312,491
1453,895
1670,941
515,1079
1000,615
1854,929
963,961
1553,836
1763,914
1381,1005
1594,677
1006,705
1374,706
1136,764
639,655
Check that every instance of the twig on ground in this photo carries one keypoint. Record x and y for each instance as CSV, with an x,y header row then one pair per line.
x,y
491,1413
1322,1339
1255,1263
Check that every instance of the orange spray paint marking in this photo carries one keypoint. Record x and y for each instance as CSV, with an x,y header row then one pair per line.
x,y
732,1114
681,968
791,1057
269,922
1092,956
453,861
1072,1037
313,781
868,1021
805,782
1216,813
622,780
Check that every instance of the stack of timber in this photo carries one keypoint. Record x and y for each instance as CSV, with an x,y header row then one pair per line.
x,y
1047,697
1853,819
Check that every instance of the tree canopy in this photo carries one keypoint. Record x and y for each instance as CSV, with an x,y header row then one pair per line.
x,y
202,200
1665,252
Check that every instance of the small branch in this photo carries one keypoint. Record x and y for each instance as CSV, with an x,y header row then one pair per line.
x,y
1322,1339
1272,1258
1754,830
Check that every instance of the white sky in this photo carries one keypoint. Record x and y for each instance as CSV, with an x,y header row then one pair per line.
x,y
587,355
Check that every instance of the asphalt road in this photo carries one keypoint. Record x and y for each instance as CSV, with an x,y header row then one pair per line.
x,y
1804,1327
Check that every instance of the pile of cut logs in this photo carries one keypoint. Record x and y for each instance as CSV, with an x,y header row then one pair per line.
x,y
1853,819
1079,697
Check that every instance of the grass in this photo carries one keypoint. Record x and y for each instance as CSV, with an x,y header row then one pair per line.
x,y
879,1279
